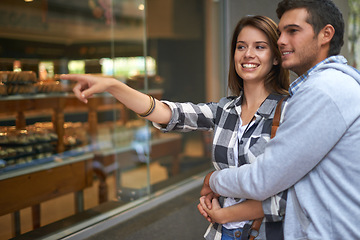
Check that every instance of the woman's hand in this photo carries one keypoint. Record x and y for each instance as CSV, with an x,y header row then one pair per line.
x,y
215,214
203,212
87,85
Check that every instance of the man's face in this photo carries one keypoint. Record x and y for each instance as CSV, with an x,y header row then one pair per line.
x,y
297,43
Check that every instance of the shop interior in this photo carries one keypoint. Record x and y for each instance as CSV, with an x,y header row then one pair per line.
x,y
59,158
64,163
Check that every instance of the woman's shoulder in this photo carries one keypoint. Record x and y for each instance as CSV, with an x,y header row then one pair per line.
x,y
229,101
277,97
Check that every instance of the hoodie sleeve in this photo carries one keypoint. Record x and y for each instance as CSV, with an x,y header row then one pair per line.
x,y
295,150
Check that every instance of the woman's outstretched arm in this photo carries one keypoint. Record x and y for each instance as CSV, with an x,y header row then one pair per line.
x,y
87,85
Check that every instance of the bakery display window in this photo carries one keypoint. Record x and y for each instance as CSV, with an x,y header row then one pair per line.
x,y
63,162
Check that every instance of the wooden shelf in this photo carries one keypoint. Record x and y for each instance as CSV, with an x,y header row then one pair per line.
x,y
57,103
28,187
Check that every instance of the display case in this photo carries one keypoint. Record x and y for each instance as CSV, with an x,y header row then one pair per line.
x,y
27,172
61,158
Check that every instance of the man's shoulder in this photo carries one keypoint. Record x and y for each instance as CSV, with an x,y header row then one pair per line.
x,y
338,83
334,73
333,70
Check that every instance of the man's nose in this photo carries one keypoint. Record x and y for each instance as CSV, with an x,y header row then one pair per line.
x,y
281,40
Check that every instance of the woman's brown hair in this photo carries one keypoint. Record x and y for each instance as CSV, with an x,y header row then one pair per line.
x,y
277,81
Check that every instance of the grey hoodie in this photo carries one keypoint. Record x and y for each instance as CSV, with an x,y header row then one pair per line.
x,y
316,154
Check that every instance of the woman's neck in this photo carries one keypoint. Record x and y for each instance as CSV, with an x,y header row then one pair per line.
x,y
253,97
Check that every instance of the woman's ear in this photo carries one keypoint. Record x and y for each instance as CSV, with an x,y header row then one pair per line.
x,y
275,61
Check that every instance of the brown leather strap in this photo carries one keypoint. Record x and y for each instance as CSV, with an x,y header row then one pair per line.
x,y
276,119
275,124
255,226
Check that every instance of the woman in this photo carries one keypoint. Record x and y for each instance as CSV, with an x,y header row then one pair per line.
x,y
241,123
257,77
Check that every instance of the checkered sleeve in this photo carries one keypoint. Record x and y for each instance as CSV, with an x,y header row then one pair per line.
x,y
274,207
190,117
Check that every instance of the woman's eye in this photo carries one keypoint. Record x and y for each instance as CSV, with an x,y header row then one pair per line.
x,y
239,47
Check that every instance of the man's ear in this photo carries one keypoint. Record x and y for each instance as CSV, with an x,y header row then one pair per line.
x,y
326,34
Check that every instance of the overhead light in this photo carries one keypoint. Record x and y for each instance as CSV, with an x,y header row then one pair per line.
x,y
141,7
28,0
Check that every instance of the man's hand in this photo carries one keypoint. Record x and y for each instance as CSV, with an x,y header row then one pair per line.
x,y
207,192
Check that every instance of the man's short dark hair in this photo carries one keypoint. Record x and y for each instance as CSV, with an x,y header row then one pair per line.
x,y
321,13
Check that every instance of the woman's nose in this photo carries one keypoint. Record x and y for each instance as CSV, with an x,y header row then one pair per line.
x,y
249,52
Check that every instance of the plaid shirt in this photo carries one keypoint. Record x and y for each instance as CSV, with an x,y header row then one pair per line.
x,y
223,119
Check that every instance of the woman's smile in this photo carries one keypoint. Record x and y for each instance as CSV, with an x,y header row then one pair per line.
x,y
250,66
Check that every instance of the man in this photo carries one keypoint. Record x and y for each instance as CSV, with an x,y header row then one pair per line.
x,y
316,152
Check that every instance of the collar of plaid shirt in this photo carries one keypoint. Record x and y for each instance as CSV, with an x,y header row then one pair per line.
x,y
295,85
264,110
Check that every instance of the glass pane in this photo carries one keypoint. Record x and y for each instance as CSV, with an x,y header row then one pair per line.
x,y
176,40
59,157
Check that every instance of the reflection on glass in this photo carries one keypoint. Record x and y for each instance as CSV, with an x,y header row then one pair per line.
x,y
70,157
46,70
125,67
76,66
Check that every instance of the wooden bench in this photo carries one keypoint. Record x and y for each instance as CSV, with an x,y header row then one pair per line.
x,y
30,186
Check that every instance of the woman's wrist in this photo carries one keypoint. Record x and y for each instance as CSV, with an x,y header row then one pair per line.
x,y
223,215
112,85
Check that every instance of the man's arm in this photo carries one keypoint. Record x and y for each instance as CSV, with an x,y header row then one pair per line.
x,y
303,139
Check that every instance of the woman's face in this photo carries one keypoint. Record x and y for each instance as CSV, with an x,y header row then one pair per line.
x,y
253,57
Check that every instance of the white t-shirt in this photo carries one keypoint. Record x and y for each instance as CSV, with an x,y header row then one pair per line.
x,y
231,201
